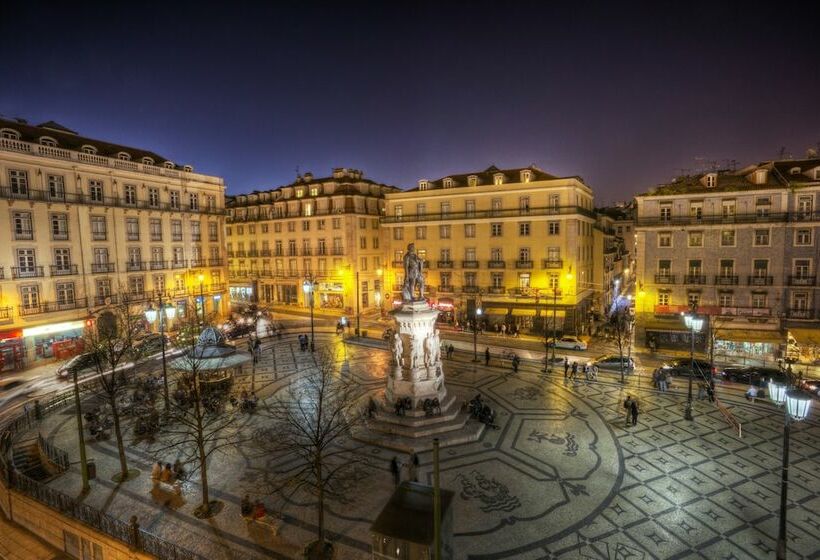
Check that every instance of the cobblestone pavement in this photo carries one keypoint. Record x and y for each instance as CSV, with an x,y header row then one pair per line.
x,y
562,477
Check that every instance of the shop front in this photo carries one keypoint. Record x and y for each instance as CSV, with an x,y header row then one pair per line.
x,y
56,341
12,350
242,295
747,344
331,295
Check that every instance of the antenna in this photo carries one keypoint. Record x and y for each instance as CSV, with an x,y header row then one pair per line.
x,y
782,153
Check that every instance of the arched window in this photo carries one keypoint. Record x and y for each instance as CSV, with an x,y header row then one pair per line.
x,y
147,161
187,168
86,149
9,133
124,156
48,141
168,165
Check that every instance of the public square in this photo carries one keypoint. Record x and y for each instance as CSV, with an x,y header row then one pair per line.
x,y
561,477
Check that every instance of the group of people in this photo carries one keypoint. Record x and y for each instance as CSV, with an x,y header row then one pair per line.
x,y
631,408
245,401
167,473
571,371
252,510
481,411
661,379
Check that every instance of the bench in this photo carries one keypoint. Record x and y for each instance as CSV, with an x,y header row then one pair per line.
x,y
272,522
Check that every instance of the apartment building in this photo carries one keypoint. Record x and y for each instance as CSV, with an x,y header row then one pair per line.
x,y
610,270
88,221
518,243
740,245
324,229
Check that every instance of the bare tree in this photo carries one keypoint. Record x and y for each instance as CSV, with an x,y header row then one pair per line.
x,y
304,437
199,424
621,323
112,346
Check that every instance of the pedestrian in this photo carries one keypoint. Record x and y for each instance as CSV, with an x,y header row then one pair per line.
x,y
504,330
566,367
701,391
628,408
394,468
751,393
515,361
487,356
662,381
633,409
246,508
167,474
710,390
574,370
156,472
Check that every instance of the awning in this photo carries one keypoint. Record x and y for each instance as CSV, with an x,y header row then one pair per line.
x,y
806,337
523,312
737,335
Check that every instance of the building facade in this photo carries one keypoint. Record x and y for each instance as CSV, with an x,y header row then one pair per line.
x,y
90,222
322,229
741,246
517,243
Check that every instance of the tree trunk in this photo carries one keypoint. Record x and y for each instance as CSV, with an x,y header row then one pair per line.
x,y
203,458
321,505
80,436
115,414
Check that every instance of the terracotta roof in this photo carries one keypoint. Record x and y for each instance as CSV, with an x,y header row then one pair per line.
x,y
70,140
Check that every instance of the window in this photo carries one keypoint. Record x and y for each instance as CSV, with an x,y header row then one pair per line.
x,y
307,209
496,229
277,248
291,226
495,207
695,267
472,180
130,195
153,197
62,260
375,242
155,228
663,298
100,256
132,229
469,254
193,201
30,297
761,238
22,225
59,227
497,280
444,255
445,209
760,268
470,279
136,284
727,238
65,293
696,210
123,156
322,247
802,237
498,179
99,228
213,231
291,247
526,176
524,229
727,267
103,286
314,191
320,225
444,231
18,182
398,211
800,301
95,191
552,281
469,208
26,262
300,193
56,187
496,254
664,267
134,257
666,212
176,230
277,228
693,298
728,209
759,300
421,232
9,134
363,243
523,205
553,228
802,268
804,206
398,234
664,239
179,257
524,254
554,202
711,180
469,230
696,239
337,223
364,264
447,183
726,300
174,199
421,209
157,256
196,234
554,253
240,230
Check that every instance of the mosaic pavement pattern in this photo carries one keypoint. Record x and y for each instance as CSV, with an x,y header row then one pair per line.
x,y
562,476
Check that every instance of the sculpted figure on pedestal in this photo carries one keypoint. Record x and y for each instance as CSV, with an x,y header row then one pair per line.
x,y
413,276
398,348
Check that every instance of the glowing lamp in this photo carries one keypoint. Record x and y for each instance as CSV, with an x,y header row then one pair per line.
x,y
798,404
151,314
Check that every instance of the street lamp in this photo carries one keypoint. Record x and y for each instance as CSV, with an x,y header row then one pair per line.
x,y
379,273
308,286
694,324
164,311
475,333
797,408
201,279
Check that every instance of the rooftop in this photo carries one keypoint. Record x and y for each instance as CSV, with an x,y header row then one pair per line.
x,y
487,177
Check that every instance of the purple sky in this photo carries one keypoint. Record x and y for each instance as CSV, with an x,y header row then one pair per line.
x,y
624,96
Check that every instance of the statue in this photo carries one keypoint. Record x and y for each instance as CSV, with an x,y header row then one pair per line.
x,y
398,348
436,344
415,352
429,351
413,275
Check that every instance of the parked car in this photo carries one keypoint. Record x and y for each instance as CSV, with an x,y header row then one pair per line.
x,y
683,368
78,363
150,344
812,385
612,362
753,375
571,342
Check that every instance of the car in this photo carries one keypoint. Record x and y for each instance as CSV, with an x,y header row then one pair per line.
x,y
78,363
571,342
812,385
683,367
753,375
612,362
238,329
150,344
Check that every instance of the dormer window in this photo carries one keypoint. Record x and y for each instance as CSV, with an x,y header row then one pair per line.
x,y
300,193
423,185
472,180
498,179
711,180
147,161
9,134
314,191
448,183
794,171
89,150
187,169
817,173
526,176
760,177
124,156
47,141
168,165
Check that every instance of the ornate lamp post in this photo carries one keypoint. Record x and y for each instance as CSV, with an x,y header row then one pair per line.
x,y
796,409
307,287
475,333
694,324
165,311
201,279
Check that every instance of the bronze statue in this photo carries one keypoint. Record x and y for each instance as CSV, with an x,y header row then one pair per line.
x,y
413,275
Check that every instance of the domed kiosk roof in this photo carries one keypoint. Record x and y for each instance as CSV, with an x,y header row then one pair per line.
x,y
211,352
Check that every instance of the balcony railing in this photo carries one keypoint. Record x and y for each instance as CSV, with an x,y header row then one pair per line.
x,y
496,213
63,269
6,314
469,289
523,264
59,235
726,280
24,234
156,237
496,290
27,272
800,313
444,264
496,264
52,307
176,237
196,237
802,280
130,236
760,280
102,268
181,264
134,266
158,265
719,219
231,254
694,279
214,262
446,288
469,264
552,263
266,252
665,279
103,236
241,253
337,251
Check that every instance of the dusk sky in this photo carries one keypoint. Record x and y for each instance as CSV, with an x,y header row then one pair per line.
x,y
626,97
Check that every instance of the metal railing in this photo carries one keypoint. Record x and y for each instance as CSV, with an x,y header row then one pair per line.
x,y
802,280
63,269
658,221
523,264
497,213
496,264
552,263
444,264
664,279
694,279
727,280
27,271
760,280
98,268
469,264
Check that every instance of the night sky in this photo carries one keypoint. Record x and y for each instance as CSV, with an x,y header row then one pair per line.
x,y
626,97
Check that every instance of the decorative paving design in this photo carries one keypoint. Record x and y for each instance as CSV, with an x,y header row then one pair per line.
x,y
562,477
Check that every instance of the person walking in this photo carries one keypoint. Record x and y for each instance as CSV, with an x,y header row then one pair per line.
x,y
515,362
662,381
574,370
394,468
633,409
487,356
566,367
628,408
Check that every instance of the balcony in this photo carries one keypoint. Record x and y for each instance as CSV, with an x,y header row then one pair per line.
x,y
492,213
306,252
215,262
24,234
694,279
130,237
444,264
63,269
156,238
241,253
760,280
27,272
665,279
196,237
253,253
6,314
552,263
135,266
101,268
446,288
469,289
266,252
497,290
240,273
59,235
523,264
231,254
177,237
213,238
181,264
802,280
469,264
800,313
158,265
727,280
337,251
52,307
496,264
110,299
103,236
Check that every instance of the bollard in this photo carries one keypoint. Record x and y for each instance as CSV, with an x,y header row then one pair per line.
x,y
135,533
